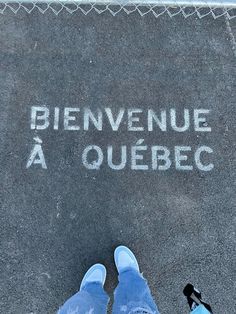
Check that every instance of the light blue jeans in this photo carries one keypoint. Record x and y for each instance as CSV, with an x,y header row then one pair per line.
x,y
200,310
132,295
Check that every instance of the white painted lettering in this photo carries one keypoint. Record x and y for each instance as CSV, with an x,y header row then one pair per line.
x,y
135,156
163,157
68,118
200,123
35,117
198,161
161,122
180,157
36,155
89,116
114,123
173,121
95,164
123,158
56,118
132,120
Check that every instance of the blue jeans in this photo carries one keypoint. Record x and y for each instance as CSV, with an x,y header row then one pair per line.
x,y
132,295
200,310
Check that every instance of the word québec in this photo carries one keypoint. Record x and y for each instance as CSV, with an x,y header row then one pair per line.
x,y
138,156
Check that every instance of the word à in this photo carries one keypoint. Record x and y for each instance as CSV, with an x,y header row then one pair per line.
x,y
135,119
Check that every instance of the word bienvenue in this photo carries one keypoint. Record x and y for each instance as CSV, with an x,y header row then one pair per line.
x,y
133,120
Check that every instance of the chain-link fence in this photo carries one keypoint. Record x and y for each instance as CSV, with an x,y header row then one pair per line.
x,y
186,8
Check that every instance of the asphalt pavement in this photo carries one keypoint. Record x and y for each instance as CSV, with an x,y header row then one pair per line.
x,y
64,208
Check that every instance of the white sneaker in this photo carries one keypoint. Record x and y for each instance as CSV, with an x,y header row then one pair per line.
x,y
96,273
124,258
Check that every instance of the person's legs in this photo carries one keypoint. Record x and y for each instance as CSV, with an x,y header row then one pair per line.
x,y
91,299
132,294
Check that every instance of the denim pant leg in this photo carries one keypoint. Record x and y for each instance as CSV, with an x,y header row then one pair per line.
x,y
92,299
200,310
133,295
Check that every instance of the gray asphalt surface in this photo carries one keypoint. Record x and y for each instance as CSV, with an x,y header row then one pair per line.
x,y
57,222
